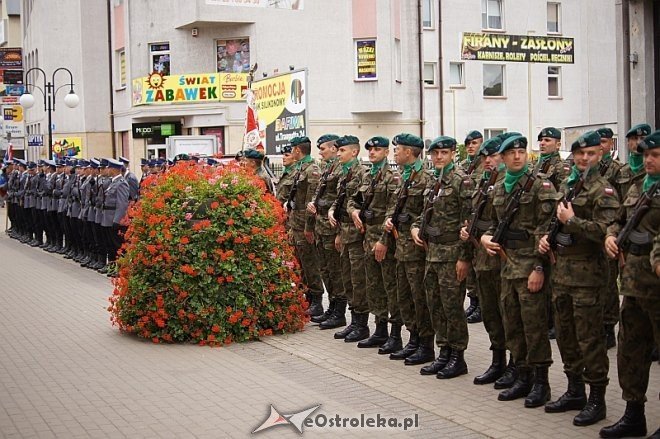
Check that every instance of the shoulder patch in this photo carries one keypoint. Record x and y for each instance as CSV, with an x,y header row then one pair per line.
x,y
609,191
546,185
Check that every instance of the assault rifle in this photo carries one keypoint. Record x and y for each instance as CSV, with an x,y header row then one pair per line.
x,y
369,194
427,213
473,165
480,204
323,185
342,192
628,232
555,224
401,204
511,210
543,167
291,199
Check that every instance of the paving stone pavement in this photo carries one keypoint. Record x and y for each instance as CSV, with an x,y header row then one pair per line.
x,y
66,372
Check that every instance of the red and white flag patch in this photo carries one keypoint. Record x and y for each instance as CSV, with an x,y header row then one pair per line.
x,y
609,191
546,185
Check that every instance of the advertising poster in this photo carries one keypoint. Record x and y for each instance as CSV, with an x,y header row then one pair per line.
x,y
68,147
182,89
281,104
366,59
13,122
233,55
517,48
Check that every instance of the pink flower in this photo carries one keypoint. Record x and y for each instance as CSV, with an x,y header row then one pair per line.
x,y
189,216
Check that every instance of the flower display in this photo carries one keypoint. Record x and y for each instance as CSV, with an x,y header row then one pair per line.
x,y
206,260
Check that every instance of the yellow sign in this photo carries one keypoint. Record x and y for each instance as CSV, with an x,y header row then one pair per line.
x,y
68,147
199,87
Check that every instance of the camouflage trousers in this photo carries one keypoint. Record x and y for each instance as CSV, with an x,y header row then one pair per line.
x,y
382,288
489,291
579,327
411,297
525,319
330,266
353,275
639,332
308,258
445,298
471,283
610,299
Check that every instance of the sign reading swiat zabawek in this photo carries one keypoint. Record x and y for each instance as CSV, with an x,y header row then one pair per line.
x,y
517,48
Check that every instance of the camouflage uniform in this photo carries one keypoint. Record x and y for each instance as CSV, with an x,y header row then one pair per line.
x,y
285,183
381,276
471,281
301,221
443,293
557,172
640,311
578,281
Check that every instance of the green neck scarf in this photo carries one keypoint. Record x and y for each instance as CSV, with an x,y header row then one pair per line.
x,y
346,166
636,162
469,158
288,169
544,157
574,176
375,167
445,171
408,169
607,157
650,180
511,178
302,161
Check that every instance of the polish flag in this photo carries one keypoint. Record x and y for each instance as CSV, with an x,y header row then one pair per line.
x,y
9,153
252,137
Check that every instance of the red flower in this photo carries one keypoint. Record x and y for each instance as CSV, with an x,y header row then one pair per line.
x,y
184,240
215,328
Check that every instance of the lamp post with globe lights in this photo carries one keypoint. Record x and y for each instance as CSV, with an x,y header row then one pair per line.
x,y
49,93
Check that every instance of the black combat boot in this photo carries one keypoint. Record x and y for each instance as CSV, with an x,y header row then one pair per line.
x,y
475,317
540,393
377,338
326,315
61,249
394,342
520,387
631,424
474,303
424,353
495,370
338,317
510,375
315,305
595,410
439,363
573,399
409,349
455,367
610,338
348,329
86,257
361,329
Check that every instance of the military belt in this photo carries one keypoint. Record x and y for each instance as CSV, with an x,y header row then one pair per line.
x,y
444,238
109,207
640,249
375,220
483,225
585,248
404,218
514,244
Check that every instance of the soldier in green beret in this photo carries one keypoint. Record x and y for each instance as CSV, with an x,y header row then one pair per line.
x,y
634,169
349,241
367,208
253,160
302,222
577,280
406,207
639,326
286,179
448,259
549,144
522,207
610,168
325,234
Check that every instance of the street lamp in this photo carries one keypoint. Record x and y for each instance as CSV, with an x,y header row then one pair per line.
x,y
49,93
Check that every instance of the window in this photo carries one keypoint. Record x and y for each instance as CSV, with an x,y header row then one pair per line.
x,y
489,133
456,74
494,80
554,12
427,14
121,68
397,60
160,58
491,14
429,73
554,82
233,56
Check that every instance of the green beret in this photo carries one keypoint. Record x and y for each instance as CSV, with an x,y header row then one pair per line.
x,y
490,146
253,154
590,138
642,129
651,141
505,136
473,135
513,142
551,132
405,139
605,132
299,141
286,149
442,142
347,140
326,138
378,141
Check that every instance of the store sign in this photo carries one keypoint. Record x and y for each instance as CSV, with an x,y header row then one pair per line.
x,y
35,140
152,129
13,121
188,88
517,48
366,59
11,58
281,104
